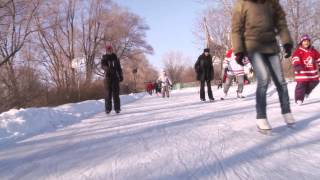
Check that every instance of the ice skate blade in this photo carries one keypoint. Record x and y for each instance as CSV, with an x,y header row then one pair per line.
x,y
264,131
291,125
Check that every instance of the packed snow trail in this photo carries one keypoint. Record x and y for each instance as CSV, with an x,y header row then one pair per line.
x,y
174,139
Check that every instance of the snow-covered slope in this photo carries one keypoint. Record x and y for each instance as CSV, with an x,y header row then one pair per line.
x,y
25,122
176,138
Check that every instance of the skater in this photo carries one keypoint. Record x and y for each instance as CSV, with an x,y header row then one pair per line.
x,y
234,71
204,70
149,87
113,76
165,84
305,61
255,25
157,87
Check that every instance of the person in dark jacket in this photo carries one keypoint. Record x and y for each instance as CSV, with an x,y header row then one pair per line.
x,y
204,70
157,87
113,76
254,27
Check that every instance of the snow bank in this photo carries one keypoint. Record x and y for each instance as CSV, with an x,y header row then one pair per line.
x,y
23,122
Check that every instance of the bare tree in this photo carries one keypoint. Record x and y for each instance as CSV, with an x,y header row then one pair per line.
x,y
145,72
218,20
16,19
302,17
55,34
218,17
92,32
189,75
15,26
128,33
125,31
175,64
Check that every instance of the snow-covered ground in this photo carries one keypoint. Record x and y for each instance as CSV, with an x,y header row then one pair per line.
x,y
176,138
17,124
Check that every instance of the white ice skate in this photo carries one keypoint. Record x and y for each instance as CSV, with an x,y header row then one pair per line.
x,y
239,95
289,119
224,97
299,102
263,126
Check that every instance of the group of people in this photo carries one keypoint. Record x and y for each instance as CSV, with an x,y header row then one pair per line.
x,y
110,63
230,70
161,86
254,29
255,26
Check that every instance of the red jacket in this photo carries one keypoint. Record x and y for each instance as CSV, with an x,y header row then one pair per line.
x,y
149,87
309,61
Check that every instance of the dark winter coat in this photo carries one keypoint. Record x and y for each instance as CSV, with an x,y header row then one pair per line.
x,y
113,75
204,68
111,64
255,25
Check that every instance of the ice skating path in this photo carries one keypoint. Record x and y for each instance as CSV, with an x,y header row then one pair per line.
x,y
177,138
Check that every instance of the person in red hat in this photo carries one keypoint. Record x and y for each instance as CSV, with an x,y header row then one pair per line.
x,y
113,76
234,71
305,61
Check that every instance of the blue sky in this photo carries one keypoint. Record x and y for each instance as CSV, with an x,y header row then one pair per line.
x,y
171,23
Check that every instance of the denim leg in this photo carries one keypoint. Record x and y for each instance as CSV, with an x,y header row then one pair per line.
x,y
261,70
276,71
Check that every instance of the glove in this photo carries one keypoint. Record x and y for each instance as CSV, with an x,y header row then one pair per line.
x,y
120,78
239,58
287,49
298,68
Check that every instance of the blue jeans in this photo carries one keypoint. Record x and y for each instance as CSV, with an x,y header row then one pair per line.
x,y
264,66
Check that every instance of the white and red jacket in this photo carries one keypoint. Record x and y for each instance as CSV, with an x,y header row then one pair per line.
x,y
165,80
309,61
234,69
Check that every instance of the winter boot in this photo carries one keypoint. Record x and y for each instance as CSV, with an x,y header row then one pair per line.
x,y
203,100
263,126
224,97
288,119
239,95
299,102
211,99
